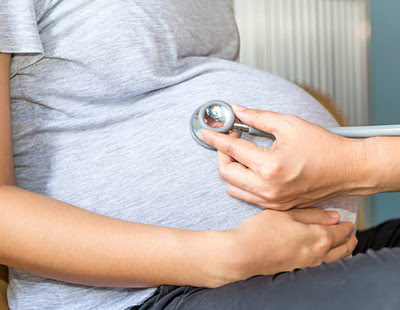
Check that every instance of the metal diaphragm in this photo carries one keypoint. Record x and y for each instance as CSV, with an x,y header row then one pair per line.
x,y
214,115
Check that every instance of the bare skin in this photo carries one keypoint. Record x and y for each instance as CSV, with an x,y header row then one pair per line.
x,y
306,164
57,240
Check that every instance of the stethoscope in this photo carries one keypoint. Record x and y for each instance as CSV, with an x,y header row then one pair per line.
x,y
218,115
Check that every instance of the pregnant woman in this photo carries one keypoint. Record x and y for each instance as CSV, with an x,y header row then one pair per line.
x,y
104,196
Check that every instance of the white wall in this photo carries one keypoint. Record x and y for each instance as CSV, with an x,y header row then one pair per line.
x,y
317,43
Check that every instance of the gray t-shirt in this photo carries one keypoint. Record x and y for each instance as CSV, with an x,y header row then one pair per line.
x,y
102,92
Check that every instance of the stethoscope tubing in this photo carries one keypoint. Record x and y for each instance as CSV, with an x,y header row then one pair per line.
x,y
366,131
350,131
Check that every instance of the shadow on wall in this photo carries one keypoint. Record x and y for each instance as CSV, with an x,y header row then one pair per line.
x,y
327,103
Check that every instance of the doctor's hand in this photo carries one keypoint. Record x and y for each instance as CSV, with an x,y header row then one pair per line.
x,y
305,166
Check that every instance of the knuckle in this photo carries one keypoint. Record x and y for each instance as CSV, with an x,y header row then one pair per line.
x,y
210,140
257,114
348,227
346,250
309,257
353,243
230,150
305,254
276,206
270,170
282,208
229,190
232,191
257,117
265,206
223,172
324,242
270,195
351,227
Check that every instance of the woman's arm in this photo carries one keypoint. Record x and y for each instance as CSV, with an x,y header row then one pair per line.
x,y
306,164
57,240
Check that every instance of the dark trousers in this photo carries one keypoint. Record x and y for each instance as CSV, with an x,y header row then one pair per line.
x,y
368,280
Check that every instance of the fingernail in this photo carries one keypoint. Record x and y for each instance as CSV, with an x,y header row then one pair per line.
x,y
200,134
204,134
238,107
333,214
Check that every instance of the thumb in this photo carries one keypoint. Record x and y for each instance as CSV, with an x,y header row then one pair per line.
x,y
267,121
315,216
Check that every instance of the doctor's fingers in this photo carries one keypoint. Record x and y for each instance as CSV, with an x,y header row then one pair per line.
x,y
243,151
248,186
240,176
252,198
268,121
225,163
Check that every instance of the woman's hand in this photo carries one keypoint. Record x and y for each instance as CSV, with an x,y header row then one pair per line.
x,y
275,241
306,164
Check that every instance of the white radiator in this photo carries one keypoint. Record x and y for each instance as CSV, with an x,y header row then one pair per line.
x,y
323,44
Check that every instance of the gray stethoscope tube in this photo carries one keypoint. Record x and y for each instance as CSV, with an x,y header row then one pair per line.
x,y
218,115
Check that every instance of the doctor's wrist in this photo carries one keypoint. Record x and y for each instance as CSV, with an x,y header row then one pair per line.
x,y
364,167
382,164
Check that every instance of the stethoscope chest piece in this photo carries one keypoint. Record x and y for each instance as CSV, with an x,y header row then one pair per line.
x,y
214,115
219,116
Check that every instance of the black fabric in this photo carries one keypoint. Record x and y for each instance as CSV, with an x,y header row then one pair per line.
x,y
368,280
386,235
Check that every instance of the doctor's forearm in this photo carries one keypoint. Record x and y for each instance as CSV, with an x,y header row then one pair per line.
x,y
53,239
379,165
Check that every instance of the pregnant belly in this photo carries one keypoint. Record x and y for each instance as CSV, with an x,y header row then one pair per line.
x,y
148,169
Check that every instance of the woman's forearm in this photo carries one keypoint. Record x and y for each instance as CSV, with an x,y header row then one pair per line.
x,y
53,239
